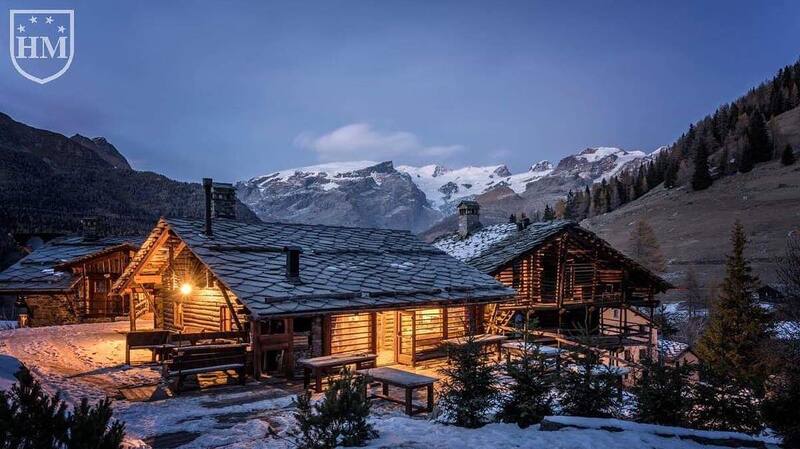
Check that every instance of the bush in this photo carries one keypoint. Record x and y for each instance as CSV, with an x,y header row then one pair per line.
x,y
339,419
530,397
469,390
663,393
32,419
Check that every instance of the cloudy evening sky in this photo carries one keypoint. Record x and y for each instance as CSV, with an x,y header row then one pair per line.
x,y
237,89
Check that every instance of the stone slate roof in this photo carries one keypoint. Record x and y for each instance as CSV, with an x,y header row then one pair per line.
x,y
671,349
493,246
341,268
37,272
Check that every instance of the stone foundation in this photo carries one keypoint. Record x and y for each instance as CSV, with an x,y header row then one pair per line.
x,y
51,310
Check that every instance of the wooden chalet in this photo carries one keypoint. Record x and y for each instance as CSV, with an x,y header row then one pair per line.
x,y
569,279
69,279
300,291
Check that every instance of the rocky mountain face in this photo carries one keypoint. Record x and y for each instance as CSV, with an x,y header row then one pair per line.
x,y
363,194
48,182
367,193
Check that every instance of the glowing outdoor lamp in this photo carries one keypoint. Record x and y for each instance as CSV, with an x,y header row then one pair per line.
x,y
186,288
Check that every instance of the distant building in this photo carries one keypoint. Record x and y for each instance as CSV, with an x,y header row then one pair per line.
x,y
68,279
674,352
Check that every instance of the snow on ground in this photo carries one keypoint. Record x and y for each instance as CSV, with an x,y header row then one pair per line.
x,y
83,360
87,360
5,325
8,367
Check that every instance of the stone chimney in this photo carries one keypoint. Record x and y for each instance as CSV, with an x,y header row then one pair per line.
x,y
224,198
91,228
292,263
468,217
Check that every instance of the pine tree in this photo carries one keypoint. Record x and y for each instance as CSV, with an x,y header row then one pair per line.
x,y
549,214
780,408
32,419
670,175
759,139
701,178
787,157
470,388
663,393
738,327
530,396
645,248
339,419
747,158
723,402
589,388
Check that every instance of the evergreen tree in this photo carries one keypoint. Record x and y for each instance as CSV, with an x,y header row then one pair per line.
x,y
780,408
723,402
645,248
670,175
787,157
663,393
530,397
747,158
759,139
549,214
701,178
339,419
32,419
588,388
469,389
738,327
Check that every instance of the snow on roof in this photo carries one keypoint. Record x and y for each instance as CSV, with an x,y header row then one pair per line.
x,y
476,243
787,330
671,349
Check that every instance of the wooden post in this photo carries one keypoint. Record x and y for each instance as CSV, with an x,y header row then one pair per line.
x,y
373,332
228,301
132,310
413,338
255,341
444,323
288,360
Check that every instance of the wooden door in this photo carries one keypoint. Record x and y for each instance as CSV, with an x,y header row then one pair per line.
x,y
404,343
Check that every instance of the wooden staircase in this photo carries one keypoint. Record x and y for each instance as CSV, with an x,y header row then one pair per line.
x,y
499,319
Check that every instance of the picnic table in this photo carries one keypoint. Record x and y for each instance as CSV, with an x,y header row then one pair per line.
x,y
480,339
153,340
405,380
318,365
188,360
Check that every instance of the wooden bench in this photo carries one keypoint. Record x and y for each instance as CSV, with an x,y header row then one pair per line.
x,y
180,339
200,359
405,380
318,366
481,340
153,340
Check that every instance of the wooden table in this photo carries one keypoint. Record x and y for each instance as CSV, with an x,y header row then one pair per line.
x,y
405,380
480,339
318,365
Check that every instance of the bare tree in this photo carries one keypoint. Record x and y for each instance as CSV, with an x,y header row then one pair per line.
x,y
645,248
789,276
696,298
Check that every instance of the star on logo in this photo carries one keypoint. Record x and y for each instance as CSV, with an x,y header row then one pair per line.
x,y
21,28
33,19
61,29
48,20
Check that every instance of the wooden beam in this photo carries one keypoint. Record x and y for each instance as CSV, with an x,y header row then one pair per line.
x,y
228,301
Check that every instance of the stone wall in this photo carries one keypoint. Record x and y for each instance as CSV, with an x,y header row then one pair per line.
x,y
49,310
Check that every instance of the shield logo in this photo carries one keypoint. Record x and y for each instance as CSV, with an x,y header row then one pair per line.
x,y
42,42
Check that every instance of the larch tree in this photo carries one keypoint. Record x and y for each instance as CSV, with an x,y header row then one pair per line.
x,y
738,327
645,248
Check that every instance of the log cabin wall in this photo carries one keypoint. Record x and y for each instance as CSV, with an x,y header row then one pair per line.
x,y
204,308
352,333
98,275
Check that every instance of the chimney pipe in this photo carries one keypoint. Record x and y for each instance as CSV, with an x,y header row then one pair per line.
x,y
207,182
293,262
91,228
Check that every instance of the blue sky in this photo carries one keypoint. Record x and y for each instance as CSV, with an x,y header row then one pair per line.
x,y
236,89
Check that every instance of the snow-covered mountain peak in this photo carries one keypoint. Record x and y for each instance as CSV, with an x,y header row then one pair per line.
x,y
541,166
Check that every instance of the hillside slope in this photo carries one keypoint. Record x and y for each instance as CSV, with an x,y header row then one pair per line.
x,y
693,228
48,182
